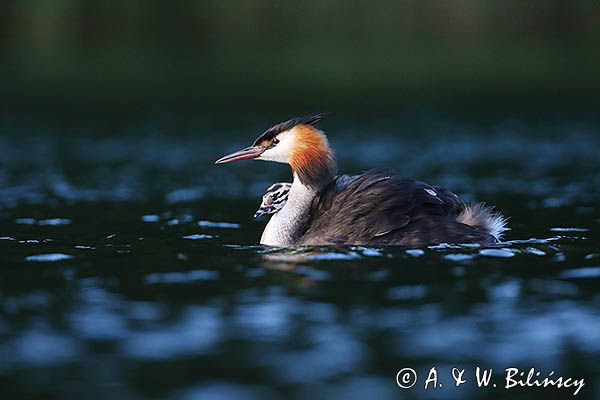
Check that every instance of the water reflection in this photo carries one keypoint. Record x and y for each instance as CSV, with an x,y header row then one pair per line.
x,y
126,281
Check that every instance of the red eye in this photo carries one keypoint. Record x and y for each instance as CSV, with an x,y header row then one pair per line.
x,y
269,201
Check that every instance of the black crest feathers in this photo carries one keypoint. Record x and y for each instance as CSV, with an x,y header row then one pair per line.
x,y
289,124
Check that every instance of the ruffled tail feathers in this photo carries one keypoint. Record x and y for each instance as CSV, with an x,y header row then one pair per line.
x,y
478,215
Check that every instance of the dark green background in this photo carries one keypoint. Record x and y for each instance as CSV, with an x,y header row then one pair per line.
x,y
140,56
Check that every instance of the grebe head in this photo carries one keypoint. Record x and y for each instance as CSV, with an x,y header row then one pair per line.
x,y
296,142
274,199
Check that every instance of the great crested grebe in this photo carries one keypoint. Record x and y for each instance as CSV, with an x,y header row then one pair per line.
x,y
373,208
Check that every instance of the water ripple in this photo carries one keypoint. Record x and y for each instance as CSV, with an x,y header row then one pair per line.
x,y
51,257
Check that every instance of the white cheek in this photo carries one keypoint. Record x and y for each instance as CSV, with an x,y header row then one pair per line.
x,y
281,152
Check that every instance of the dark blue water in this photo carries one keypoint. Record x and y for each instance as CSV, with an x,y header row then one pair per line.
x,y
130,268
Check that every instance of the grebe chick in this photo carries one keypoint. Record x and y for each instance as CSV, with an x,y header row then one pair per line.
x,y
376,207
274,199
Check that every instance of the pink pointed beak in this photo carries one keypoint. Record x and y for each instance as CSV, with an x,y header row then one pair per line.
x,y
244,154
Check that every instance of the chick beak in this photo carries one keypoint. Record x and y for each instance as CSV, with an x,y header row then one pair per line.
x,y
244,154
262,211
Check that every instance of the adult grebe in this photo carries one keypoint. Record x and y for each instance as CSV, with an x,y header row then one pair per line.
x,y
373,208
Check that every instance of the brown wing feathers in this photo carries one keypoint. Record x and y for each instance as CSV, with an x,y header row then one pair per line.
x,y
378,208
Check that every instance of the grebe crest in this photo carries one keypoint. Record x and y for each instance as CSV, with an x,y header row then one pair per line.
x,y
274,199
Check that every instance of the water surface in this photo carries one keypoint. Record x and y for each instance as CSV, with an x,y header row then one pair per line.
x,y
130,268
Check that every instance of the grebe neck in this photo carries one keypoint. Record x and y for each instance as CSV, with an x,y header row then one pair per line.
x,y
286,226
